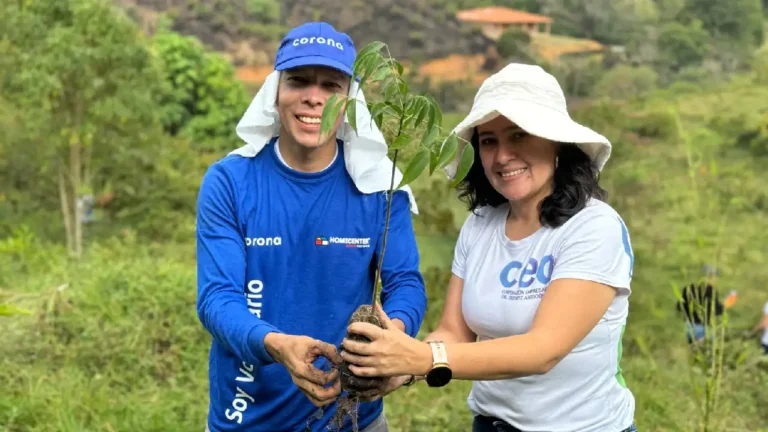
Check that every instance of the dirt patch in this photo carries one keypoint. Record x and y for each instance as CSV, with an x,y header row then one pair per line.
x,y
254,74
455,67
552,47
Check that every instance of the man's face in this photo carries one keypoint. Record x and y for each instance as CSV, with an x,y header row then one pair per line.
x,y
301,97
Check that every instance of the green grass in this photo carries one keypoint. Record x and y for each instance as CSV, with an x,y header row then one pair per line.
x,y
113,343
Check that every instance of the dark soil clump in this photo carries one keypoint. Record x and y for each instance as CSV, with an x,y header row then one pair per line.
x,y
352,384
349,381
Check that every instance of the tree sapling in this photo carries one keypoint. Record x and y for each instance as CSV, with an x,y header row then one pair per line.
x,y
412,126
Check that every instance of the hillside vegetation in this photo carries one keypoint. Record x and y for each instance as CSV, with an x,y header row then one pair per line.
x,y
104,336
248,31
114,344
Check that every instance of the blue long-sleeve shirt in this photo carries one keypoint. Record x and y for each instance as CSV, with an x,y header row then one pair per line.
x,y
284,251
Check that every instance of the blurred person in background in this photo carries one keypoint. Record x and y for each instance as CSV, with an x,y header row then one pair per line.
x,y
762,324
700,304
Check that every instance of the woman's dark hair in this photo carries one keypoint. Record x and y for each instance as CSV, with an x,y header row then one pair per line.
x,y
576,181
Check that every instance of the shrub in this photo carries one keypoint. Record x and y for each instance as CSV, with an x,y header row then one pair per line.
x,y
514,43
112,340
626,82
658,123
681,45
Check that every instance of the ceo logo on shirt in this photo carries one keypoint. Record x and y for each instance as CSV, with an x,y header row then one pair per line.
x,y
515,274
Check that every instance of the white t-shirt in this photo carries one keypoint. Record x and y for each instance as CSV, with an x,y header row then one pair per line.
x,y
765,332
504,281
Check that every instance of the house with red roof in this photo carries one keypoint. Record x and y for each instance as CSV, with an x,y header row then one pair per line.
x,y
495,20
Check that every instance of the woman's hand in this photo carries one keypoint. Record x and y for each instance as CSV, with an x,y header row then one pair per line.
x,y
390,352
390,384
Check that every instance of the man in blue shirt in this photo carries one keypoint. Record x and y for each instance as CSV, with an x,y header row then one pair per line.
x,y
287,245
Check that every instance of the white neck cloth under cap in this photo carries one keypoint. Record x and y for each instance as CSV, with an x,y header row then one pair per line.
x,y
365,155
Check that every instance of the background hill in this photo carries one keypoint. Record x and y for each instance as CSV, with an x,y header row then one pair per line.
x,y
118,112
248,30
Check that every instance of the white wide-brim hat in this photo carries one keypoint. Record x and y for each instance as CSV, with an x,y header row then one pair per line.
x,y
532,99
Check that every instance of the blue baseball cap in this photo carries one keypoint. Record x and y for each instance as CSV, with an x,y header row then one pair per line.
x,y
316,44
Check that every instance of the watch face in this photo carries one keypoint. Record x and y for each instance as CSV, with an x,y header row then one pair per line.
x,y
439,376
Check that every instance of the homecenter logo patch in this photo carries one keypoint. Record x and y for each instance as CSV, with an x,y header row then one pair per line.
x,y
350,242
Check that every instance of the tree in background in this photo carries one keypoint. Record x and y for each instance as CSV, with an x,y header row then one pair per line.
x,y
81,77
625,82
683,45
734,20
612,22
267,10
202,100
736,26
515,46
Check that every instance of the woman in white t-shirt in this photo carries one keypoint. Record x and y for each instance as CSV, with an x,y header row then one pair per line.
x,y
538,299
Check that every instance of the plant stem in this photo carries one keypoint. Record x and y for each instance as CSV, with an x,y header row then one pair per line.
x,y
66,212
376,286
390,193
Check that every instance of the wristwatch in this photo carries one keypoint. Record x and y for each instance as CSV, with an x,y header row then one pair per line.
x,y
441,373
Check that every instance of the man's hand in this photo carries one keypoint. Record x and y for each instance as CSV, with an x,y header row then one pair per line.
x,y
388,386
297,353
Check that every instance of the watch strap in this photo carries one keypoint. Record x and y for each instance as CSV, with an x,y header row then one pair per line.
x,y
439,353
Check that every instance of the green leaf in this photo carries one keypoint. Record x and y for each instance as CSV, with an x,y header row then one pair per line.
x,y
330,114
409,112
372,47
381,72
435,116
374,63
415,167
10,310
400,142
377,112
403,88
376,107
420,112
390,86
430,137
399,67
465,163
366,54
379,119
423,111
395,107
433,159
430,116
360,63
352,113
448,151
438,116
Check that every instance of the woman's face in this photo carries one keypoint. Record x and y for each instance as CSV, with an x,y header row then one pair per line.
x,y
518,165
